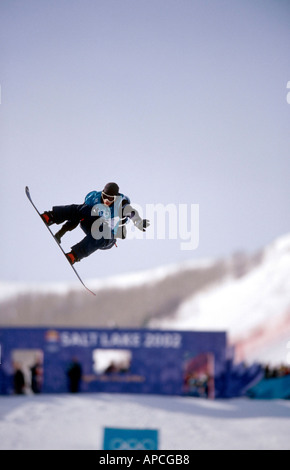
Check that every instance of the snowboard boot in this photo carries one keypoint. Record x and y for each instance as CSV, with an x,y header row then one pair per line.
x,y
47,217
71,257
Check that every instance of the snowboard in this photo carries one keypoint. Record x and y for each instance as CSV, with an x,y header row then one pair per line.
x,y
27,192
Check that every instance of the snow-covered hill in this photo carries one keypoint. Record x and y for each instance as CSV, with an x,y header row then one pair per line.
x,y
246,295
254,309
127,301
10,290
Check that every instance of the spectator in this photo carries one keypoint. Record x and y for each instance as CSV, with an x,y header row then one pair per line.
x,y
74,374
277,371
18,380
36,376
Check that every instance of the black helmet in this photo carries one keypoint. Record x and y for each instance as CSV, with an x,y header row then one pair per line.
x,y
111,189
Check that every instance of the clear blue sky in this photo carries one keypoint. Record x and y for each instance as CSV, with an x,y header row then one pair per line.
x,y
177,101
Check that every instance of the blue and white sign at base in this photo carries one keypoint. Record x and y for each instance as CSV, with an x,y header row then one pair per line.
x,y
130,439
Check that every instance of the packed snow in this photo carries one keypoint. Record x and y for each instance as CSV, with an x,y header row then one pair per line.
x,y
77,422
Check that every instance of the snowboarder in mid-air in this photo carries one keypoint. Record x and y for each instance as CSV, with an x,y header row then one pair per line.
x,y
102,217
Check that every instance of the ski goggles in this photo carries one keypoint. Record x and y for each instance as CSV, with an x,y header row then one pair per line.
x,y
108,197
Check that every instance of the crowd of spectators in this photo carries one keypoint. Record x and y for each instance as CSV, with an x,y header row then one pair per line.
x,y
33,383
271,372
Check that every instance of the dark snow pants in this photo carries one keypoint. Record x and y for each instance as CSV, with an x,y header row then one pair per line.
x,y
81,213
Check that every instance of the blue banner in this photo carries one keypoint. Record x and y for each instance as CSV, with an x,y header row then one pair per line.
x,y
104,360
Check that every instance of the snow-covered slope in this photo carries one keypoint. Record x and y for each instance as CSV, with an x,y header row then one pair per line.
x,y
70,422
254,309
125,301
10,290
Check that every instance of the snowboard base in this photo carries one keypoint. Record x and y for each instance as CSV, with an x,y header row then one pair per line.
x,y
27,192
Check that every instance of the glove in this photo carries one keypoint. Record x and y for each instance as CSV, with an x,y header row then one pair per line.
x,y
142,224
